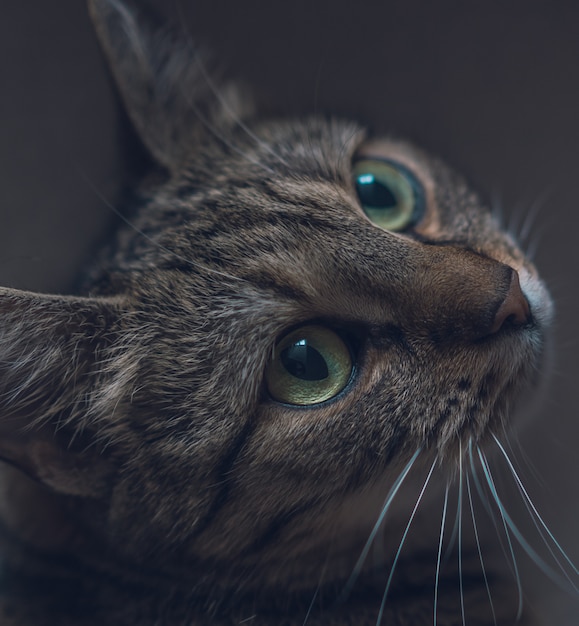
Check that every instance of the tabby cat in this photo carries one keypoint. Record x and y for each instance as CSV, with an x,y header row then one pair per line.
x,y
280,387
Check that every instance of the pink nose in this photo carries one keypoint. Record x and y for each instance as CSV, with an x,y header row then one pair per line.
x,y
514,309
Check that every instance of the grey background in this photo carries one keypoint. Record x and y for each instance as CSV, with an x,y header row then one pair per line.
x,y
493,87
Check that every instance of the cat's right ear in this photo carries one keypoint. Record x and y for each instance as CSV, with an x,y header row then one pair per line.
x,y
161,76
54,355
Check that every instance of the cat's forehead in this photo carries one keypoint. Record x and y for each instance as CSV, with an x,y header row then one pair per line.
x,y
301,160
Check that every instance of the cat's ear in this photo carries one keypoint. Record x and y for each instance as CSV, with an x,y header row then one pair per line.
x,y
52,349
162,79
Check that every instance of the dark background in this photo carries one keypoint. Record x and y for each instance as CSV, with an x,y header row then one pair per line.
x,y
493,87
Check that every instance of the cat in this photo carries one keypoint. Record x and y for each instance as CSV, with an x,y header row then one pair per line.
x,y
282,381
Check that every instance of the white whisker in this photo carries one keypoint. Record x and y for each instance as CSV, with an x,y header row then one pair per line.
x,y
452,541
497,210
487,506
531,217
460,582
522,541
483,496
387,503
262,144
504,517
515,219
213,130
311,605
519,454
217,93
537,517
533,245
394,563
437,578
480,549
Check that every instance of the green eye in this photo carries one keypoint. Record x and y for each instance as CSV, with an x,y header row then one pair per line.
x,y
310,365
389,194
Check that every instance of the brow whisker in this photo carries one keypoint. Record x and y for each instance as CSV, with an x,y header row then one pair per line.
x,y
160,246
217,93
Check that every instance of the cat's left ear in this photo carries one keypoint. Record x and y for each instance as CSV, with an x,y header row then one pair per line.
x,y
161,76
53,364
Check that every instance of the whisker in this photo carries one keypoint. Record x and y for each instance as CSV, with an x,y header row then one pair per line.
x,y
531,217
536,558
217,93
213,130
537,517
394,563
442,524
483,496
160,246
311,606
452,541
515,219
520,455
533,245
487,506
346,143
504,517
497,209
460,581
474,526
262,144
387,503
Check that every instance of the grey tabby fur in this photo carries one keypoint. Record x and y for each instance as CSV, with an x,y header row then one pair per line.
x,y
154,481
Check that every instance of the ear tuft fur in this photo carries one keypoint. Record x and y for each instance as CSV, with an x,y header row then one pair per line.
x,y
161,76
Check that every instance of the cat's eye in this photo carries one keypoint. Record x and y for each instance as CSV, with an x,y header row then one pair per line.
x,y
389,194
310,365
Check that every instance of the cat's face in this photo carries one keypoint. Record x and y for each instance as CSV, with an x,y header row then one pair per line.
x,y
250,458
277,340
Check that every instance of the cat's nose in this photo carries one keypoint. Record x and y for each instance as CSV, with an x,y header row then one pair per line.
x,y
514,309
467,296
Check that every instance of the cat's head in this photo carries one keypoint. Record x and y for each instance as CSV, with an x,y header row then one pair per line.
x,y
292,313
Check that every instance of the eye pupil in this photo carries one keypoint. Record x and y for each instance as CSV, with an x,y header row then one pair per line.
x,y
304,362
373,193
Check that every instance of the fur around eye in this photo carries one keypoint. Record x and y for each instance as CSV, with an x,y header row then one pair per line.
x,y
390,195
310,365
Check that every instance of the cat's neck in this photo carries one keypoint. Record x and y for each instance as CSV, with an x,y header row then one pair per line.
x,y
53,572
56,572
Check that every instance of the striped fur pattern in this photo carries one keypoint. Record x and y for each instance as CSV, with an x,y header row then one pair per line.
x,y
172,489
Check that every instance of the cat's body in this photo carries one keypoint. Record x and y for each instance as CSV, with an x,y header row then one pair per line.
x,y
178,478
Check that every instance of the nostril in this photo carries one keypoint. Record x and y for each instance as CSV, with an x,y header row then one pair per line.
x,y
514,309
